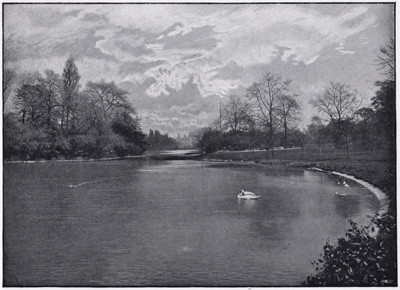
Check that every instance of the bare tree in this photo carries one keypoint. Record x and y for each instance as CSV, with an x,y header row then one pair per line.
x,y
266,95
288,111
338,104
8,84
29,103
316,132
108,100
236,113
50,87
387,60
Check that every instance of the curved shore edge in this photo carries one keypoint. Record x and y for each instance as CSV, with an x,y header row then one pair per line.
x,y
382,197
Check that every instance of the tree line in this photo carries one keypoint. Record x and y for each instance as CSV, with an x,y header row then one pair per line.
x,y
55,117
345,124
158,141
268,116
264,118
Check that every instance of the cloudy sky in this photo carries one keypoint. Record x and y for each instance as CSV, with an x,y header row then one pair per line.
x,y
178,61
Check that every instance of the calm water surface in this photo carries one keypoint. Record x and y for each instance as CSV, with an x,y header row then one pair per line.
x,y
169,223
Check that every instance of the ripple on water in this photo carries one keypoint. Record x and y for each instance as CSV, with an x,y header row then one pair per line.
x,y
167,224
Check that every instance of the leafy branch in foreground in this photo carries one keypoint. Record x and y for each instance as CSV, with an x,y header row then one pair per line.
x,y
364,257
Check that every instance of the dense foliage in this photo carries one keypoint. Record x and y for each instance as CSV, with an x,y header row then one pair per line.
x,y
384,103
210,140
364,257
54,118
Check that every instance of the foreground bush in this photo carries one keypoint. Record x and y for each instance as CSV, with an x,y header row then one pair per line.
x,y
364,257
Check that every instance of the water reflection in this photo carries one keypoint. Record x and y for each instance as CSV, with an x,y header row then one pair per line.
x,y
247,205
347,205
314,176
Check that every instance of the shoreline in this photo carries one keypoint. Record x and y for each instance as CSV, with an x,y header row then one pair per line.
x,y
378,192
158,155
74,160
380,195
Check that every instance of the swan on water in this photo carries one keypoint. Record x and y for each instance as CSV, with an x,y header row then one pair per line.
x,y
345,183
247,195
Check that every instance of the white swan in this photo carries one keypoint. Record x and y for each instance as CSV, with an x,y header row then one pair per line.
x,y
247,195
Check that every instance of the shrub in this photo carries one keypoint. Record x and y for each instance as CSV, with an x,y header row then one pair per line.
x,y
61,146
33,143
364,257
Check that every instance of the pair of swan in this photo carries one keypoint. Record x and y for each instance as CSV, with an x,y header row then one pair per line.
x,y
344,183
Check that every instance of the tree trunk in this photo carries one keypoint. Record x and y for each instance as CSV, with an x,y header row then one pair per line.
x,y
66,121
23,116
285,135
271,141
48,117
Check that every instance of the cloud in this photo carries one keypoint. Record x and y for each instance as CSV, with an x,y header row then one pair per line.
x,y
137,66
342,50
124,47
173,76
247,34
178,119
150,18
312,89
200,38
174,124
161,51
135,78
38,64
255,29
92,69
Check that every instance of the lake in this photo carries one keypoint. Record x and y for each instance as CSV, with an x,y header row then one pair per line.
x,y
170,223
